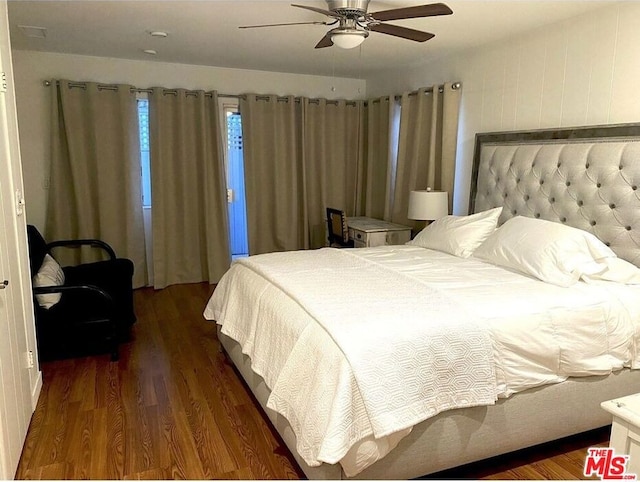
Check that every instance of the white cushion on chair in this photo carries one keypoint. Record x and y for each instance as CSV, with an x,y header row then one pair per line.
x,y
49,274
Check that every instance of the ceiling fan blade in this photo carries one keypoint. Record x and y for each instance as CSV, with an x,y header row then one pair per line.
x,y
325,42
419,11
328,13
284,24
403,32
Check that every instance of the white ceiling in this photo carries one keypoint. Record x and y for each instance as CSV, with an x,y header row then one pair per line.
x,y
206,32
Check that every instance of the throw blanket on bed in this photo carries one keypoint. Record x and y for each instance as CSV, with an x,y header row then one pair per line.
x,y
413,351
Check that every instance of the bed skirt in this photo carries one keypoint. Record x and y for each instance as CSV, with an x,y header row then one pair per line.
x,y
461,436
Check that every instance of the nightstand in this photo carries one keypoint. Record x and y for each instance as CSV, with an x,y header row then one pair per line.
x,y
369,232
625,429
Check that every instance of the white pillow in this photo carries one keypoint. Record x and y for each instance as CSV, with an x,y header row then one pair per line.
x,y
549,251
458,235
49,274
617,270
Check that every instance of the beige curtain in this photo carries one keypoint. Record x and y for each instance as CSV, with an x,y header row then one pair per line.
x,y
427,146
188,188
333,156
379,173
95,188
274,175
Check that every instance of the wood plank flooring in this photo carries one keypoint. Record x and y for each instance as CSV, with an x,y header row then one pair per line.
x,y
173,408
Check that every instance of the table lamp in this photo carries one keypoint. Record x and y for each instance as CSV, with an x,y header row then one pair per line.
x,y
428,205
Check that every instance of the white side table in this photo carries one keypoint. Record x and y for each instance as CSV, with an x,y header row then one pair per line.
x,y
625,430
369,232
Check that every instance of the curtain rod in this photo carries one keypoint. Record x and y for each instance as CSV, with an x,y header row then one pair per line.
x,y
47,83
454,86
429,90
350,103
82,85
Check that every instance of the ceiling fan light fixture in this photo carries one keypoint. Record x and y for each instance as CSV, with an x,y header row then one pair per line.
x,y
348,38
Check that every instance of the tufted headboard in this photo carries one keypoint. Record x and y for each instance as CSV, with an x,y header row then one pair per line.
x,y
584,177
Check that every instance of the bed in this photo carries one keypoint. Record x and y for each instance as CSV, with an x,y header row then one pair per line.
x,y
320,381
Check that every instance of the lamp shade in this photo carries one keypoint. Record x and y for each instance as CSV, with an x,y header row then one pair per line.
x,y
428,205
348,38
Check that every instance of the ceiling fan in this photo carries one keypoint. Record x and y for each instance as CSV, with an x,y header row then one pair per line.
x,y
354,22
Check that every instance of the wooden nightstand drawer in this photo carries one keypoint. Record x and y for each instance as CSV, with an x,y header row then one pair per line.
x,y
359,244
358,236
369,232
398,237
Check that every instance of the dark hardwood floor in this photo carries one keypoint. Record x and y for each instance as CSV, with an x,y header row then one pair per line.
x,y
173,408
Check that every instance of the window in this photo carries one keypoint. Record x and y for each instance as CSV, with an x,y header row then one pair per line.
x,y
143,122
235,182
232,125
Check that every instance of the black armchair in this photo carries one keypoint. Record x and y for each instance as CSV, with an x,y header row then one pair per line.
x,y
95,307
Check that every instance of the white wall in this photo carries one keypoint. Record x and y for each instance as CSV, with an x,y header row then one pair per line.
x,y
32,68
582,71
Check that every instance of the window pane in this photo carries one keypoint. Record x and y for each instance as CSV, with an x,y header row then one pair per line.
x,y
143,121
235,178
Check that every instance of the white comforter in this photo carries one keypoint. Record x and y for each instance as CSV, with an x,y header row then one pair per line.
x,y
539,334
